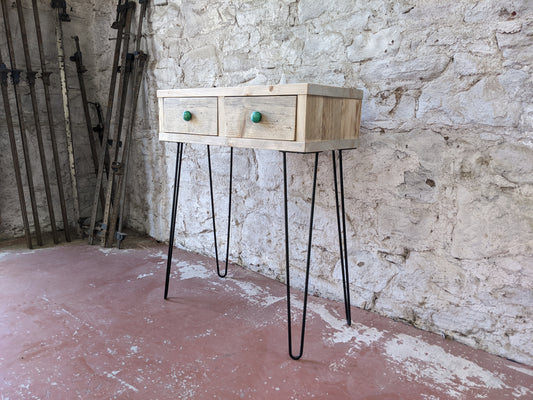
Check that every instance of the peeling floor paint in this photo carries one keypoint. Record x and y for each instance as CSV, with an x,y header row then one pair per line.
x,y
434,366
108,332
522,370
356,333
141,276
190,271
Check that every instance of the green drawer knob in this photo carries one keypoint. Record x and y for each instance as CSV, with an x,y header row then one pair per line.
x,y
256,117
187,115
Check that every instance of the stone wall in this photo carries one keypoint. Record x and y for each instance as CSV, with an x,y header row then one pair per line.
x,y
439,191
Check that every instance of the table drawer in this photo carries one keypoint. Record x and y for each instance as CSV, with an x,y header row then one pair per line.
x,y
278,117
203,113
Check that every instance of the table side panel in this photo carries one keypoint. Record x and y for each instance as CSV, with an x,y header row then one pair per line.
x,y
330,118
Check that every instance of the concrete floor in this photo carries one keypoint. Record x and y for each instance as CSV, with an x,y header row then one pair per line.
x,y
82,322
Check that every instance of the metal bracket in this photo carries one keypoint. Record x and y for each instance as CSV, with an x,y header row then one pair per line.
x,y
15,76
99,129
121,13
120,236
80,68
117,167
45,76
4,73
110,142
61,4
30,77
77,57
58,4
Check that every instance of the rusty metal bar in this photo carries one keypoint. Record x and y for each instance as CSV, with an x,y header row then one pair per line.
x,y
15,75
60,17
45,76
123,21
35,107
14,153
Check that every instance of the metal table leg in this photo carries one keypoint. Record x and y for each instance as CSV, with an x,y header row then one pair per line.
x,y
177,176
341,227
213,210
341,217
287,263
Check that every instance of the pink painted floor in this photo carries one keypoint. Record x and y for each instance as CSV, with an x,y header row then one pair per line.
x,y
82,322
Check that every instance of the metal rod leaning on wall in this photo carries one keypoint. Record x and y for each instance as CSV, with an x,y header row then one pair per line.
x,y
138,72
14,153
15,75
99,129
116,166
118,206
125,71
80,69
35,107
61,16
45,76
123,18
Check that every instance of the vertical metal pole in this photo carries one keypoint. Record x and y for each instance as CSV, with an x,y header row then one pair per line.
x,y
177,176
14,152
117,167
15,75
46,82
141,59
124,18
118,204
121,96
66,111
287,255
35,107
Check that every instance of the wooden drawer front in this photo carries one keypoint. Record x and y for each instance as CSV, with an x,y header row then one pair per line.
x,y
203,110
278,117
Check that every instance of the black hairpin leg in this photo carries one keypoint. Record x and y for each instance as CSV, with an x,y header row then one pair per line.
x,y
342,234
287,263
213,210
177,175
